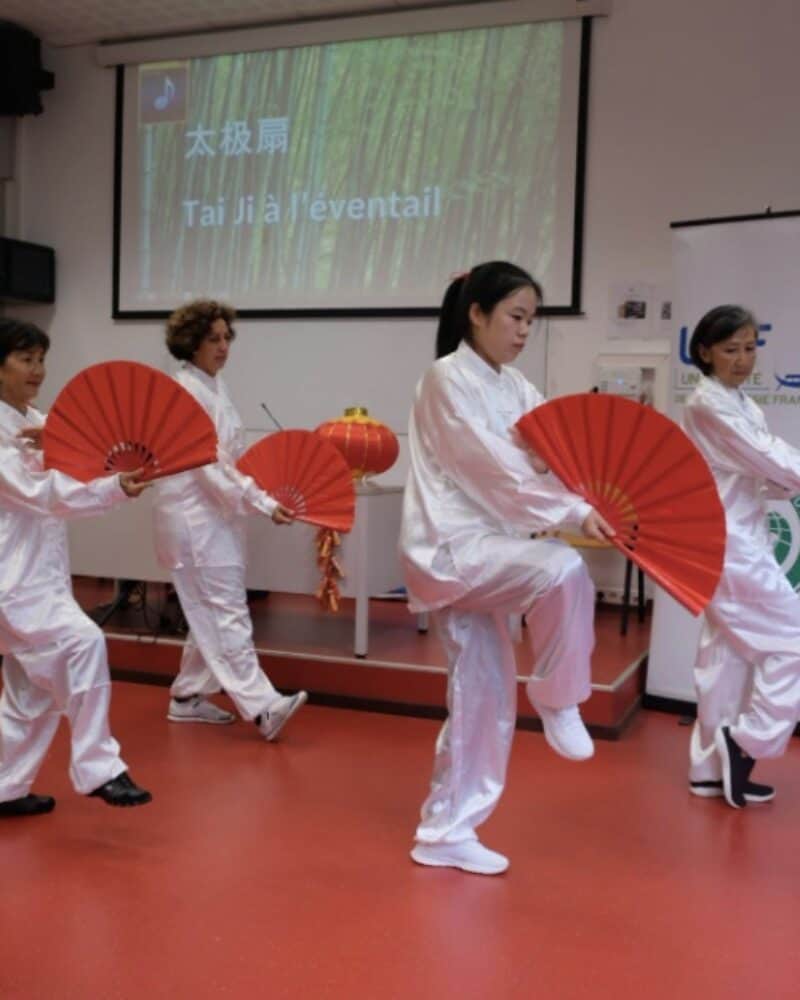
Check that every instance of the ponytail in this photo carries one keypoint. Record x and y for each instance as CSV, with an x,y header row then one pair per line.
x,y
487,284
452,326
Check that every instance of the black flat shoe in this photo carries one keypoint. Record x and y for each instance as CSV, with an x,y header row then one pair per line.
x,y
29,805
121,791
753,792
736,767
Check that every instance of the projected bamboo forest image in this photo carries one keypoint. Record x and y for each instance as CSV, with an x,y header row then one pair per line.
x,y
365,166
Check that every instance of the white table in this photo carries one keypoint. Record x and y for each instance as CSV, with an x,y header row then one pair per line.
x,y
284,559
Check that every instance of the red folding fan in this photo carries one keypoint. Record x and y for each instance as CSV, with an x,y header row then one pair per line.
x,y
305,473
119,416
642,473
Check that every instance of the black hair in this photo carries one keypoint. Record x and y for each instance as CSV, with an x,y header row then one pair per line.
x,y
18,336
487,284
717,325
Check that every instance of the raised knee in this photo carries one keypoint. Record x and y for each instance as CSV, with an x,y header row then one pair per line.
x,y
572,570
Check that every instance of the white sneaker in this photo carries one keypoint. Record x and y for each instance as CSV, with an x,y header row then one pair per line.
x,y
565,732
197,709
468,855
279,713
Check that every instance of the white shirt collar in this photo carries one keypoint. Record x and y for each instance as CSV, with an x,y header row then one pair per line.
x,y
11,420
209,381
736,391
471,360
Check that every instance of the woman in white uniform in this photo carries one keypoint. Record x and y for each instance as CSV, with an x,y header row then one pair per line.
x,y
200,537
473,499
747,671
54,656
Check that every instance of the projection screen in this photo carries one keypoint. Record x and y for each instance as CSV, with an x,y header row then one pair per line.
x,y
352,177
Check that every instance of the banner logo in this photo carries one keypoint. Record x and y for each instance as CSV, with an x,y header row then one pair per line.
x,y
784,530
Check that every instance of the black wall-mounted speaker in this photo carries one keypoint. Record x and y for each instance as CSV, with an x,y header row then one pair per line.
x,y
27,272
21,74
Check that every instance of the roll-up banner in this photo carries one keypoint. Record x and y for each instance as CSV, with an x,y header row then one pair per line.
x,y
753,261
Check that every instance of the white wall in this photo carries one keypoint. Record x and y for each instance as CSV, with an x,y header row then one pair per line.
x,y
692,114
692,103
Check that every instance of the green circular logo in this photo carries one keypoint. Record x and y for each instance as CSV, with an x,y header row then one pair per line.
x,y
784,530
781,532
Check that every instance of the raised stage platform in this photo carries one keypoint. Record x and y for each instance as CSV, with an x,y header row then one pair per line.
x,y
302,646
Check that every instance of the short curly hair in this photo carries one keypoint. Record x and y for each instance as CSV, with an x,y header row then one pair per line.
x,y
189,326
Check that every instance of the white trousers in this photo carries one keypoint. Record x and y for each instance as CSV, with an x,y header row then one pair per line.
x,y
219,652
548,582
747,671
66,675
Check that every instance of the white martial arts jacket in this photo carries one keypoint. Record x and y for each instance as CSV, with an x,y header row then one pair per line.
x,y
199,516
34,557
749,464
470,476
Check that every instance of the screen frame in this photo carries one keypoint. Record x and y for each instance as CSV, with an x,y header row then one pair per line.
x,y
400,312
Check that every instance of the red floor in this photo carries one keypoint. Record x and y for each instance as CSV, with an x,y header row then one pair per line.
x,y
281,870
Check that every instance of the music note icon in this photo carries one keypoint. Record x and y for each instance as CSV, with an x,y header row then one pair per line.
x,y
162,102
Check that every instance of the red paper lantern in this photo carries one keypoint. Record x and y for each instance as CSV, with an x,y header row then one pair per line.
x,y
369,447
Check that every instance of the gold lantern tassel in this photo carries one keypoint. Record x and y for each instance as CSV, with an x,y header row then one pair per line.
x,y
327,541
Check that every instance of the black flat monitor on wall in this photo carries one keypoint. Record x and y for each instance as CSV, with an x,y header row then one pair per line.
x,y
27,272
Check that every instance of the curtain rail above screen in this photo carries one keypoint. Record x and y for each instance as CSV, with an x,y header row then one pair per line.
x,y
259,38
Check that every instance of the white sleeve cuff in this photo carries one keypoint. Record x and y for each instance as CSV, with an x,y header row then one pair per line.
x,y
581,511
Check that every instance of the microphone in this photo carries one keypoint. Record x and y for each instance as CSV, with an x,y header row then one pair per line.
x,y
266,410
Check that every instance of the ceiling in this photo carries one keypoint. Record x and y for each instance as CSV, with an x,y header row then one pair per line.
x,y
79,22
